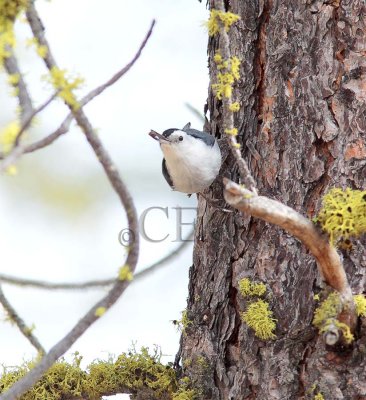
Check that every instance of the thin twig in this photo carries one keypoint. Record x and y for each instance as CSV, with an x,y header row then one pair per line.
x,y
99,283
228,117
18,149
274,212
29,120
120,285
14,317
65,125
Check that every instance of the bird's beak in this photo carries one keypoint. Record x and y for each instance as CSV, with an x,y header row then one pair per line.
x,y
157,136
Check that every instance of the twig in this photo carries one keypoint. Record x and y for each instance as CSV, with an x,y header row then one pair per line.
x,y
29,120
25,101
303,229
120,285
65,125
228,117
195,112
95,284
14,317
18,149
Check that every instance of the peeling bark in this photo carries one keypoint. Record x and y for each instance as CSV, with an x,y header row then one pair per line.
x,y
302,124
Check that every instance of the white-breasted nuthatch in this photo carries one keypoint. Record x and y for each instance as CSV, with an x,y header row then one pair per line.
x,y
192,158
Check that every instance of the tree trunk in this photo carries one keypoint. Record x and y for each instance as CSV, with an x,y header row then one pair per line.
x,y
302,126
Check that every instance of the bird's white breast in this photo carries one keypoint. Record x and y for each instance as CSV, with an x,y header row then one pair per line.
x,y
191,164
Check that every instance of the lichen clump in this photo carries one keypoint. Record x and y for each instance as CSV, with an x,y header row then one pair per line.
x,y
360,303
229,73
248,288
325,317
343,215
66,86
125,273
133,372
218,17
9,10
259,317
184,322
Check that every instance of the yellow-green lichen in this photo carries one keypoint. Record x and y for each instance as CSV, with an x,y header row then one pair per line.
x,y
13,79
232,131
248,288
218,18
360,302
125,273
328,309
183,323
325,317
41,50
343,214
100,311
259,317
65,85
318,396
346,331
133,372
229,73
234,107
9,10
8,135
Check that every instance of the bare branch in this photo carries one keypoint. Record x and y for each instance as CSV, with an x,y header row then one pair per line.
x,y
99,283
14,317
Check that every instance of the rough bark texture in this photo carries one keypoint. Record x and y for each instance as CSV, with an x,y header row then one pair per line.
x,y
302,124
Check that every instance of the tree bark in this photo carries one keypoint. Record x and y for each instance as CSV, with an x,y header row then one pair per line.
x,y
302,125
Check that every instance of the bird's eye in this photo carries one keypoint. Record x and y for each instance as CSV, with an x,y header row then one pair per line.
x,y
180,138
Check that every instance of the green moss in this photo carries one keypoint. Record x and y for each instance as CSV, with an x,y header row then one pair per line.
x,y
248,288
259,317
343,214
133,372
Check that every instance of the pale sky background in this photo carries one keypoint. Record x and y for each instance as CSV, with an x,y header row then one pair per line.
x,y
59,217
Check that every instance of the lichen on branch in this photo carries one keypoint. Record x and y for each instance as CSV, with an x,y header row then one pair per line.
x,y
137,373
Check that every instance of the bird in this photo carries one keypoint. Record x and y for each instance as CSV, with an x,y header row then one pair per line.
x,y
192,158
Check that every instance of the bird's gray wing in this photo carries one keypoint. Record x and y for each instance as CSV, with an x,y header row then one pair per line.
x,y
205,137
166,174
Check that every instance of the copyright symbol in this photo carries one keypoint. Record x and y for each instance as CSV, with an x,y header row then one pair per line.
x,y
126,237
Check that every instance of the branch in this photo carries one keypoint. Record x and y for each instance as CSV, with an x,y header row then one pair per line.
x,y
228,116
303,229
65,125
25,101
14,317
95,284
18,149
